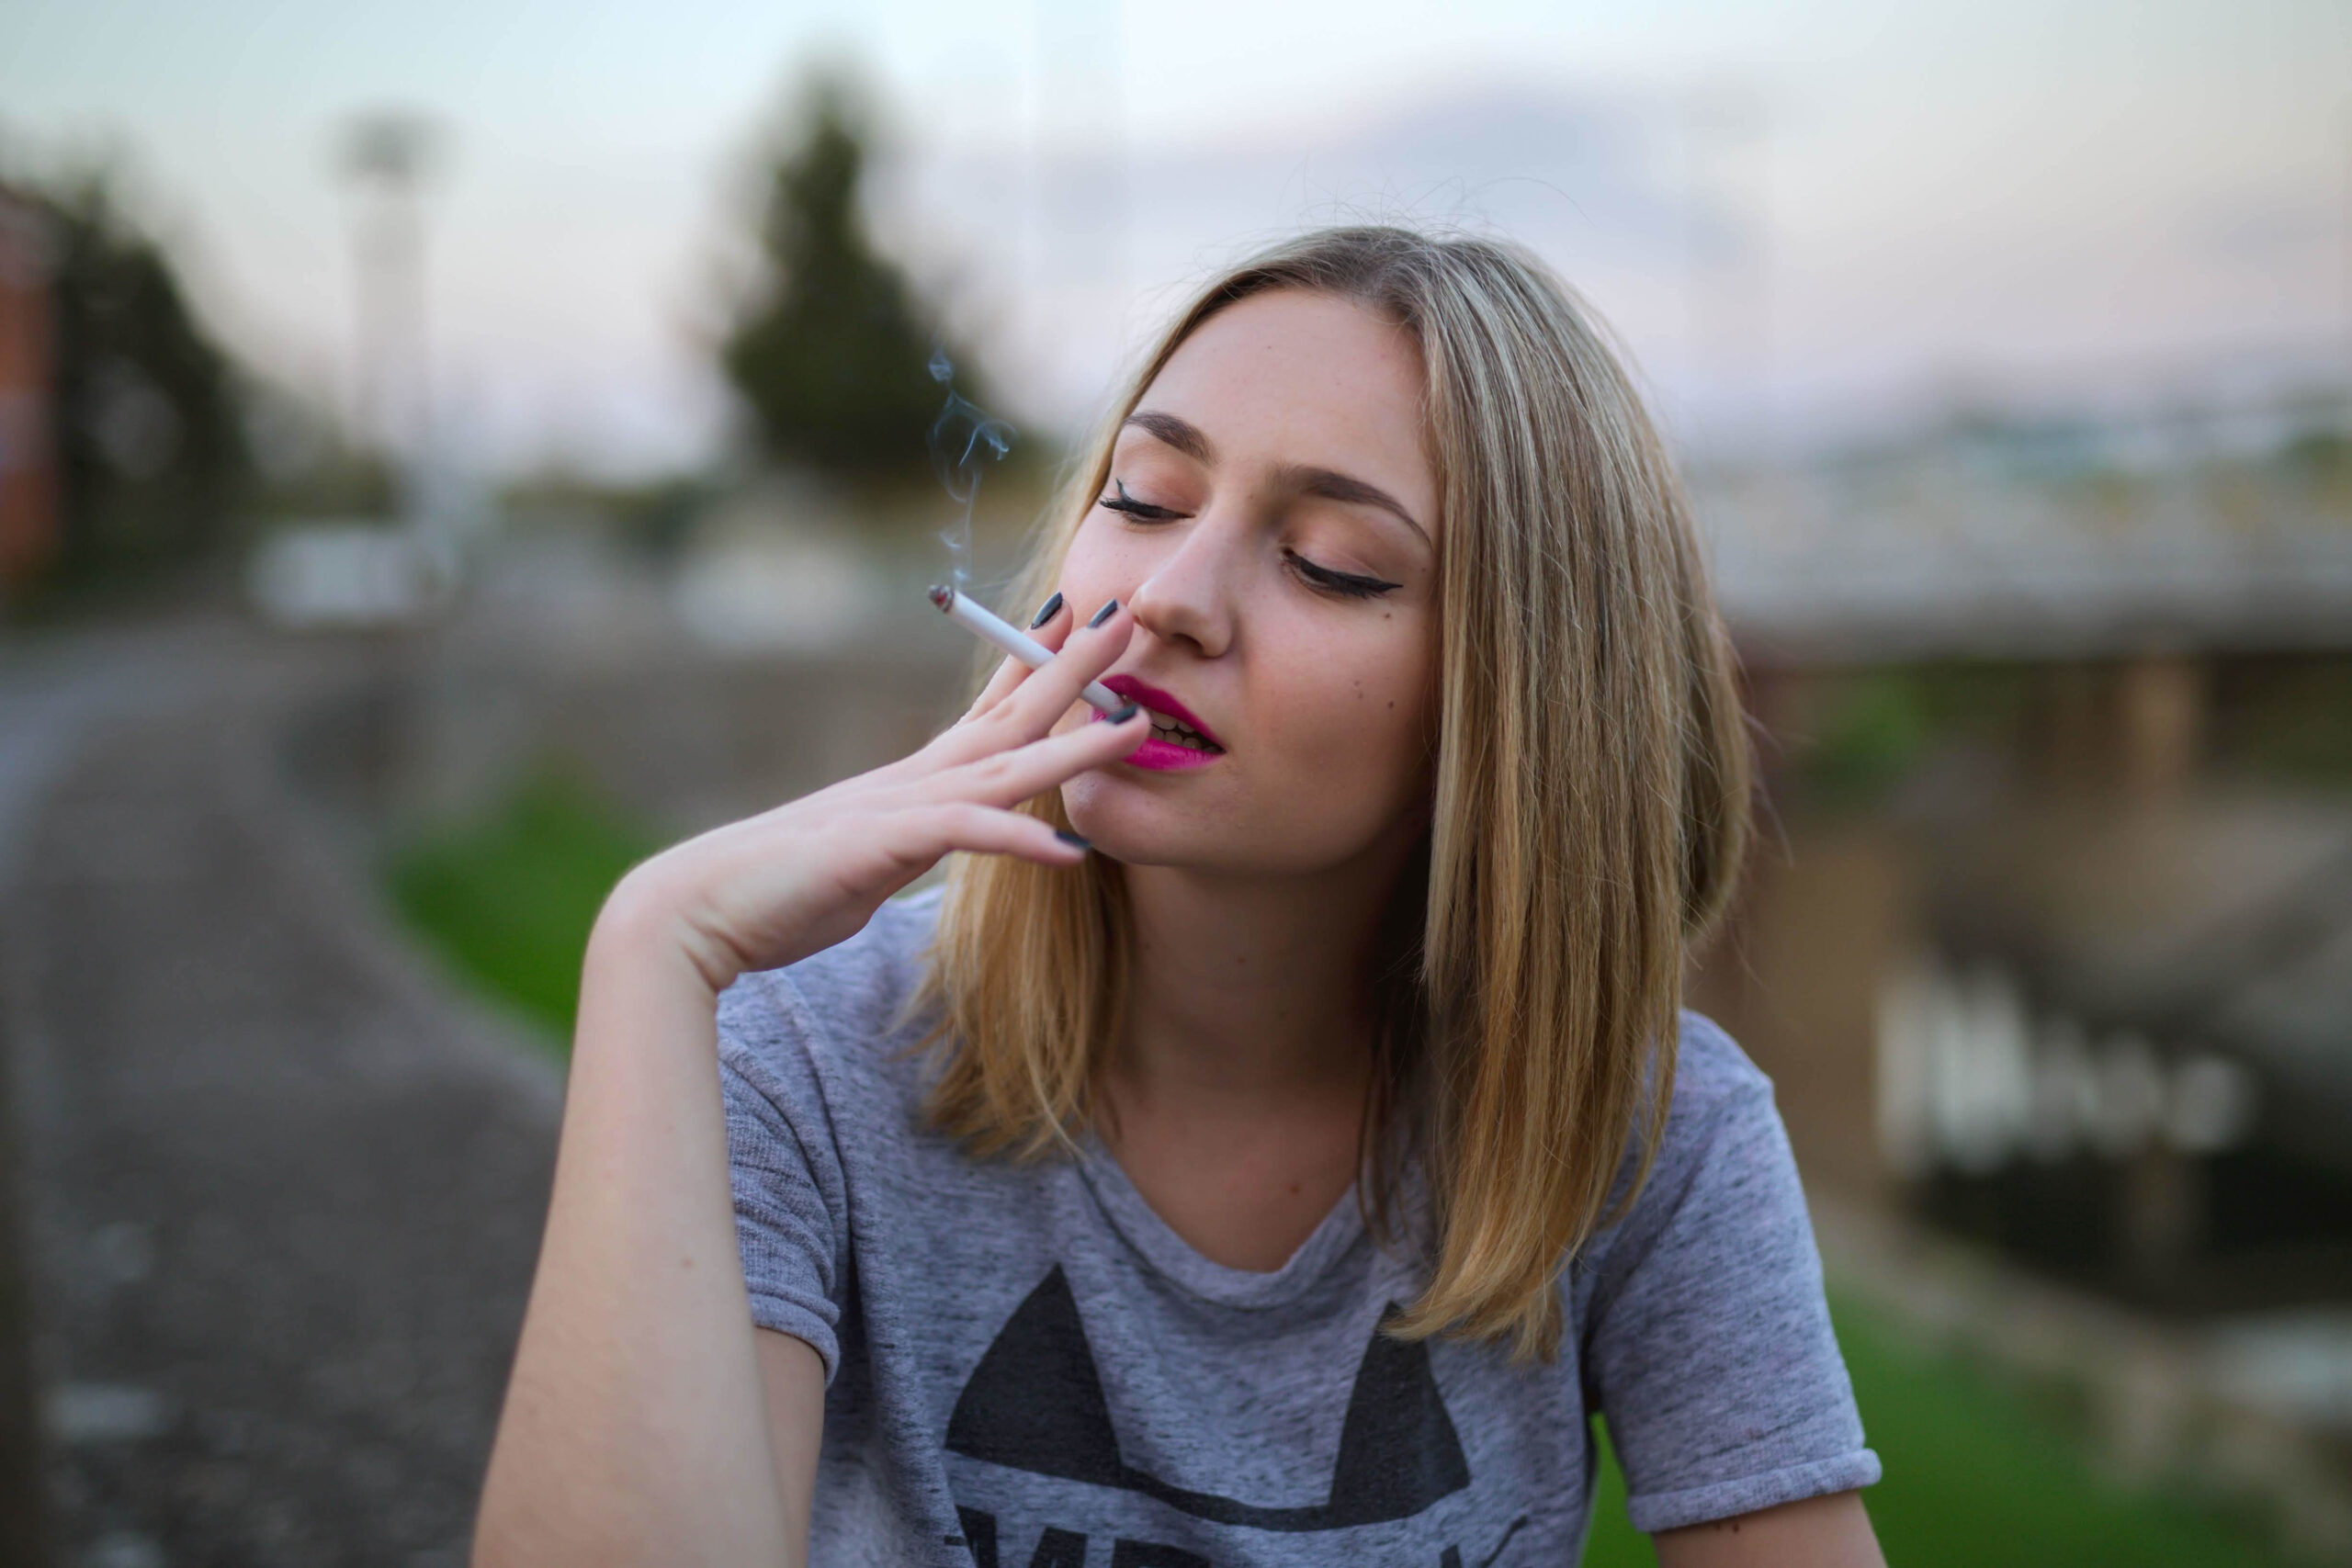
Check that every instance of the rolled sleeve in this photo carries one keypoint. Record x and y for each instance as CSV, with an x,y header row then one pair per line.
x,y
785,1175
1708,1343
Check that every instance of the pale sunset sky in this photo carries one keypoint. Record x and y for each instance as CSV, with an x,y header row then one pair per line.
x,y
1826,210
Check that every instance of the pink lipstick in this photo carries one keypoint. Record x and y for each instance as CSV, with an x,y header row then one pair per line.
x,y
1179,739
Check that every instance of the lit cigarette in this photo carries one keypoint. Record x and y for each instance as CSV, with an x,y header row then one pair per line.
x,y
975,618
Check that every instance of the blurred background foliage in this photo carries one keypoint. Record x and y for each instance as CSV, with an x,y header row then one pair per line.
x,y
833,353
151,449
170,455
507,896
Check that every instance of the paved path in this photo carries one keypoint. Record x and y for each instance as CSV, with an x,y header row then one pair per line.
x,y
283,1192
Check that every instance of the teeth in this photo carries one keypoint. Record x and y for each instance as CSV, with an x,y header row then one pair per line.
x,y
1176,732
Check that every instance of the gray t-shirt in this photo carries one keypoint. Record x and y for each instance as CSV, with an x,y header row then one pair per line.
x,y
1025,1366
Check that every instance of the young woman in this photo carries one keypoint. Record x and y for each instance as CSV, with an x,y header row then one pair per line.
x,y
1282,1134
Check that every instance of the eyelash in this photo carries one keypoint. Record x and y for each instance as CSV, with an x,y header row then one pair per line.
x,y
1346,586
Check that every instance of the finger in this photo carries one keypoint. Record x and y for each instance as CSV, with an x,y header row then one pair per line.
x,y
1038,703
927,832
1051,626
1007,778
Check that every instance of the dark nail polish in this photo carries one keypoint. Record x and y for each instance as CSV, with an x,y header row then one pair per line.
x,y
1053,607
1105,614
1072,840
1125,712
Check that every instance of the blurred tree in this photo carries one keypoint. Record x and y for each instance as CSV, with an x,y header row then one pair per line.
x,y
151,449
832,352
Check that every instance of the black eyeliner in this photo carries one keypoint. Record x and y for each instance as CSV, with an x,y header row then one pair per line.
x,y
1345,583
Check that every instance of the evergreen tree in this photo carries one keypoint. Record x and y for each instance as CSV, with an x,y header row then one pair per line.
x,y
151,449
833,355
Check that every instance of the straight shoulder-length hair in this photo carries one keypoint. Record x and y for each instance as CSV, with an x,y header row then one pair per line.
x,y
1590,818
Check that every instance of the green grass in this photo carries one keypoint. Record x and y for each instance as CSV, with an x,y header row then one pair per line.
x,y
1613,1542
1976,1472
507,898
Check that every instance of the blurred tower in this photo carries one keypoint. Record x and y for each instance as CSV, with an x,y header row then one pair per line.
x,y
384,159
2347,255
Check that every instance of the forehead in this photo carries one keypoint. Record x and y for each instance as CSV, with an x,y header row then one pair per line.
x,y
1299,378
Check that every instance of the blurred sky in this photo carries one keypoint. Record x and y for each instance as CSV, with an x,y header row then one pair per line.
x,y
1805,220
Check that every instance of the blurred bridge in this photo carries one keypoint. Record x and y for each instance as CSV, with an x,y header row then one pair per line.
x,y
2082,981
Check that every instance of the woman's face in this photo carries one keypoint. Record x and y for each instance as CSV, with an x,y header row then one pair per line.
x,y
1272,520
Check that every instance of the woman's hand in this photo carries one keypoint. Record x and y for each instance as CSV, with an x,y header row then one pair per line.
x,y
644,1424
777,888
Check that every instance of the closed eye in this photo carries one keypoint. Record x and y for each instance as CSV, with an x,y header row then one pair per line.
x,y
1347,584
1141,511
1342,585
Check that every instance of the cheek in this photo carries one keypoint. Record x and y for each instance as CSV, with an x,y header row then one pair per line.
x,y
1363,729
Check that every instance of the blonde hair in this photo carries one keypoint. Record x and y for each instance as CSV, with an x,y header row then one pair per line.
x,y
1590,818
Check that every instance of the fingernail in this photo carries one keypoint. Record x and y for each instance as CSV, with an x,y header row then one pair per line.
x,y
1125,712
1105,614
1053,607
1072,840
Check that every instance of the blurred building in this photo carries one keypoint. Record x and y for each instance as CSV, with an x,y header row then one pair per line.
x,y
27,463
2041,942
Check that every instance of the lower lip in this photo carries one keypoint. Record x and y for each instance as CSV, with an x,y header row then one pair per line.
x,y
1166,757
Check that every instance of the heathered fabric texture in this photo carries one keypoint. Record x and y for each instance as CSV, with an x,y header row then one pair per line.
x,y
1025,1365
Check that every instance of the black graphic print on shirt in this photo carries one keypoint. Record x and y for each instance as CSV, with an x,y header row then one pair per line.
x,y
1036,1402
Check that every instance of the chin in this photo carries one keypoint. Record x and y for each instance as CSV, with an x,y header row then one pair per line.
x,y
1134,821
1140,821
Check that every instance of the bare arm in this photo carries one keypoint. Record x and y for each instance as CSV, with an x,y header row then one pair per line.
x,y
634,1429
1818,1532
794,1380
647,1421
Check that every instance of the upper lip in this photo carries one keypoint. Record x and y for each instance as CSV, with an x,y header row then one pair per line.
x,y
1161,702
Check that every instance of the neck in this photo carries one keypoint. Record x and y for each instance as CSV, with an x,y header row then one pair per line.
x,y
1252,995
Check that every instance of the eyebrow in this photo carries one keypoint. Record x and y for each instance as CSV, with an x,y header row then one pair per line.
x,y
1329,483
1181,433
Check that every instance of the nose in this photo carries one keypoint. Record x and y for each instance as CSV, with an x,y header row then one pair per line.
x,y
1188,595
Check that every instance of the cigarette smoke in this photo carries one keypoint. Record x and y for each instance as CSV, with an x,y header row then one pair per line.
x,y
963,439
